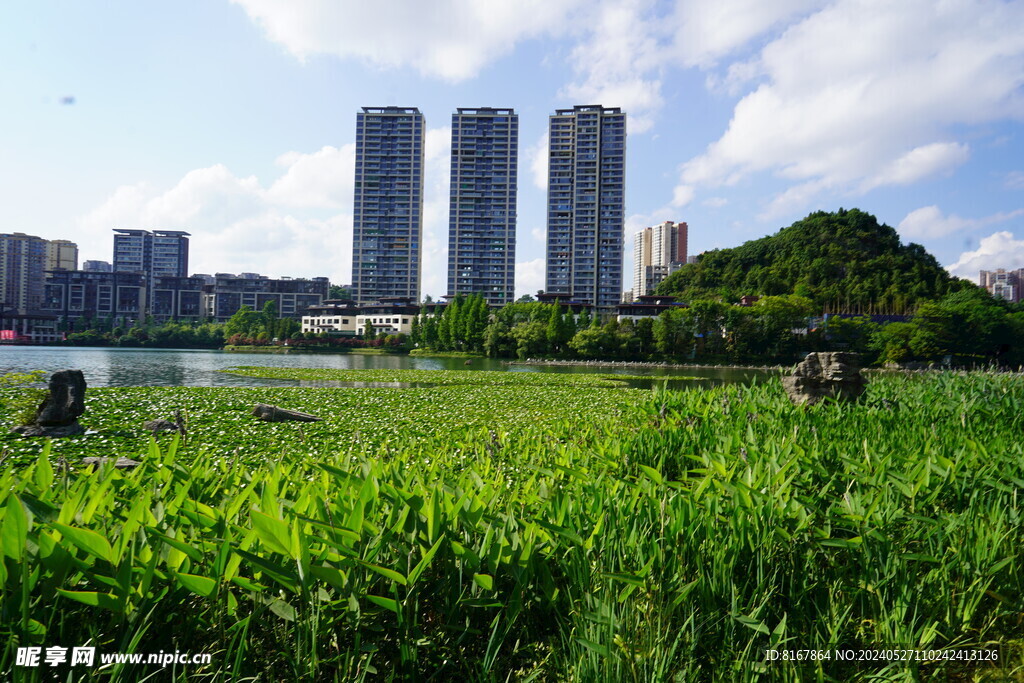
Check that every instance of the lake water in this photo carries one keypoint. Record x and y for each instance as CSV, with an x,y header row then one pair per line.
x,y
113,367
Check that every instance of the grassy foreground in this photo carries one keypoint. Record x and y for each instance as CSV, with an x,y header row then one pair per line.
x,y
521,532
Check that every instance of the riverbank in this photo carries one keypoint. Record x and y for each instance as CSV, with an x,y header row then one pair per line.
x,y
315,349
428,353
644,364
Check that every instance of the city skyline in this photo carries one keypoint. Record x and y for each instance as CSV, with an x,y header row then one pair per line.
x,y
742,118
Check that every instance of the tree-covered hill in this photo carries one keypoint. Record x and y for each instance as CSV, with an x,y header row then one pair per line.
x,y
843,261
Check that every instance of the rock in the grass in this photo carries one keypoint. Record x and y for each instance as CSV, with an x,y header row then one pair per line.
x,y
58,414
178,425
269,413
121,463
825,375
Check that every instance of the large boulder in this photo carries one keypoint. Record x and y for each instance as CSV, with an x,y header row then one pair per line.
x,y
825,374
58,414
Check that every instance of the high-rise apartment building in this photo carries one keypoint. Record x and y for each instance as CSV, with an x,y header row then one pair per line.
x,y
482,209
657,252
22,262
160,253
61,255
387,217
586,189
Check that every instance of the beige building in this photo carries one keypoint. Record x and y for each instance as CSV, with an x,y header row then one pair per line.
x,y
24,260
657,252
391,315
61,255
1002,283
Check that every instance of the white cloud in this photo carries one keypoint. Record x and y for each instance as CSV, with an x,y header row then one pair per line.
x,y
436,198
529,277
683,195
928,222
1014,180
297,225
792,199
865,93
449,39
715,202
708,31
998,250
537,157
618,62
322,179
920,163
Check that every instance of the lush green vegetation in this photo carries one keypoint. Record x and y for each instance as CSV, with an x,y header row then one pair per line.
x,y
964,327
169,335
508,532
842,261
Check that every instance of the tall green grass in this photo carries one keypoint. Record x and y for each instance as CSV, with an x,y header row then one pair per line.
x,y
676,537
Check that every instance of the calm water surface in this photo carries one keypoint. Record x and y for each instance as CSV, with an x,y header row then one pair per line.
x,y
111,367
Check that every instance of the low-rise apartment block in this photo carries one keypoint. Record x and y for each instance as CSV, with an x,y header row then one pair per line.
x,y
390,315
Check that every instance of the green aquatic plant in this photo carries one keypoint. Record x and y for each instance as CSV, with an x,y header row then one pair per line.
x,y
22,395
516,532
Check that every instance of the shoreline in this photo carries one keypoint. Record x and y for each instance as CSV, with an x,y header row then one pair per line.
x,y
644,364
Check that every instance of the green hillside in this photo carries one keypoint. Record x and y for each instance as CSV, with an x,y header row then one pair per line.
x,y
844,261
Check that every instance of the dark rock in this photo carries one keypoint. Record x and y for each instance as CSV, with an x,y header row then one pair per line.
x,y
825,375
58,414
178,425
121,463
269,413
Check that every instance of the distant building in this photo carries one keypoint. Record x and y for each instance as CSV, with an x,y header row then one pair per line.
x,y
160,253
74,295
292,297
1003,284
61,255
482,207
97,267
392,315
692,258
22,263
177,298
586,181
646,307
658,251
387,218
334,316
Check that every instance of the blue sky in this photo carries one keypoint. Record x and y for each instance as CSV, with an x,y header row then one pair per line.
x,y
236,120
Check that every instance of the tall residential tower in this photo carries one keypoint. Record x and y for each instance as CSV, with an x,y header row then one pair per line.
x,y
586,187
482,211
161,253
387,217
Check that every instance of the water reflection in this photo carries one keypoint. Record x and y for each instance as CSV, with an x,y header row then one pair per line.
x,y
172,367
